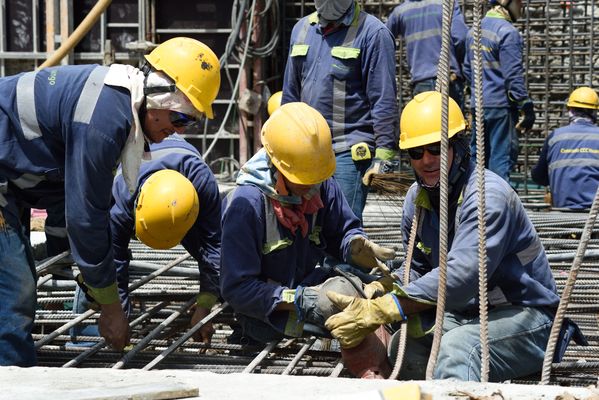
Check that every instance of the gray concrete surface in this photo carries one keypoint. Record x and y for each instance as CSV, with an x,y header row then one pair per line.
x,y
83,383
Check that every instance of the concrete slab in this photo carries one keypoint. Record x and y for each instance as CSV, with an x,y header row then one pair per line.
x,y
81,383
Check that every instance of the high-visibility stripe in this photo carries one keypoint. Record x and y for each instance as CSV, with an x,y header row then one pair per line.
x,y
89,95
414,5
490,35
26,106
578,136
573,162
429,33
27,181
529,254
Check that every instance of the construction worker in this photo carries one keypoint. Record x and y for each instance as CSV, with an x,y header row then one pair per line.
x,y
569,159
342,63
419,23
504,88
63,130
285,215
522,292
177,200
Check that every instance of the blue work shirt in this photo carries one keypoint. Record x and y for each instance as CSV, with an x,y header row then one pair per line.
x,y
419,23
503,71
517,267
202,240
252,277
62,127
349,80
569,164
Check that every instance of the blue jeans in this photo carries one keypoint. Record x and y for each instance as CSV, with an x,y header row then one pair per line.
x,y
456,89
501,140
17,299
517,340
349,175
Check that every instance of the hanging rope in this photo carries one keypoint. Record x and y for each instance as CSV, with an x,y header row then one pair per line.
x,y
565,297
480,180
443,87
403,334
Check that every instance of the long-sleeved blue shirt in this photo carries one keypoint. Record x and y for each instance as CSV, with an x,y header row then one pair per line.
x,y
63,127
419,23
569,164
252,281
349,80
517,267
202,240
503,71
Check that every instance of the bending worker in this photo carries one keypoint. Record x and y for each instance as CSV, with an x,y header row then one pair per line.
x,y
504,87
522,292
285,215
64,129
569,159
342,63
419,23
176,201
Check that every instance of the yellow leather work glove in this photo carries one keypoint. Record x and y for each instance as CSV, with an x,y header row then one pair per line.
x,y
379,287
369,255
361,317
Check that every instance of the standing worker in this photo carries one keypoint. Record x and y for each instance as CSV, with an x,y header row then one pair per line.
x,y
342,63
285,215
522,292
419,23
176,201
504,88
63,131
569,159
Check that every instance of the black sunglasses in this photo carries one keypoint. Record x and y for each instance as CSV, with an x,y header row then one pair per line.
x,y
417,153
180,120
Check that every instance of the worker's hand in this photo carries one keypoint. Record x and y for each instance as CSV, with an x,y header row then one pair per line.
x,y
379,287
204,334
361,317
527,112
369,255
383,163
113,325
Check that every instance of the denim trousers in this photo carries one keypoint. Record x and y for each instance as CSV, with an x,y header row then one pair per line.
x,y
17,299
349,175
517,340
456,89
501,140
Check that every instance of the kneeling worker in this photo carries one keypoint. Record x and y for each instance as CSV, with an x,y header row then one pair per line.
x,y
286,214
522,292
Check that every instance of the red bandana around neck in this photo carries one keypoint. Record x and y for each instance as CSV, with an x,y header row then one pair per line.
x,y
292,216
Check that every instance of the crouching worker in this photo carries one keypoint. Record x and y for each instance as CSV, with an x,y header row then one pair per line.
x,y
176,201
286,214
522,292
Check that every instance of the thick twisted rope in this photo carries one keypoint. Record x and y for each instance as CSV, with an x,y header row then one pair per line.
x,y
443,87
480,180
403,335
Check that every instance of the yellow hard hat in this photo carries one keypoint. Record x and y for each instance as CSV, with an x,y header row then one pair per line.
x,y
584,97
166,209
193,66
420,121
274,102
298,140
